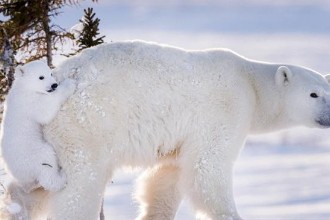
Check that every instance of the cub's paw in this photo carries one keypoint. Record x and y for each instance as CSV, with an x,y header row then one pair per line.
x,y
54,181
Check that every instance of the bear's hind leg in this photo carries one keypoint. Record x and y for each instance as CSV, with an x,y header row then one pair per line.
x,y
158,192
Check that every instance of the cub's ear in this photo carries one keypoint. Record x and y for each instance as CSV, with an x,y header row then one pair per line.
x,y
327,77
19,72
283,76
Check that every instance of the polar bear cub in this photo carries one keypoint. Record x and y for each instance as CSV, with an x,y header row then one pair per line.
x,y
33,101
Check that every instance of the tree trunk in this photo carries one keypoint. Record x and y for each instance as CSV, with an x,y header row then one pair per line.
x,y
48,34
10,76
7,59
49,48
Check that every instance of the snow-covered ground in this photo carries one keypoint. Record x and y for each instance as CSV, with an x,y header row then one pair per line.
x,y
284,182
272,182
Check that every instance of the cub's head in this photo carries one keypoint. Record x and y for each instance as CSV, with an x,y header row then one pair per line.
x,y
36,76
306,96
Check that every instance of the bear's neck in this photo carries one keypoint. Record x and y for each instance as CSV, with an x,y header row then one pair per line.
x,y
269,100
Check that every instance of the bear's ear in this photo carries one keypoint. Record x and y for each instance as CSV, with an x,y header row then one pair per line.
x,y
327,77
19,72
283,76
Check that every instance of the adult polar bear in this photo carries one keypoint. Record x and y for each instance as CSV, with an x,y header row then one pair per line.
x,y
183,114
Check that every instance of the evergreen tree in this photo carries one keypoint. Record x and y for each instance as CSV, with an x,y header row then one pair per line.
x,y
30,29
89,34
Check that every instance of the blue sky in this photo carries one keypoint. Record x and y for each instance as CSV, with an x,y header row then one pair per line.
x,y
285,31
214,16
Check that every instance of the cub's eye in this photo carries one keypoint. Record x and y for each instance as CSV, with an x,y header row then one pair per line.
x,y
314,95
41,77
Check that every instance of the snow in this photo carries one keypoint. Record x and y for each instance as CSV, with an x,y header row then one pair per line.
x,y
271,182
284,182
76,29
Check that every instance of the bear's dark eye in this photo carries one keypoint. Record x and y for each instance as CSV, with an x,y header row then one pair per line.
x,y
41,77
314,95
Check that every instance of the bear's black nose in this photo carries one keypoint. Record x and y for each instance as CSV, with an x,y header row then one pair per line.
x,y
54,86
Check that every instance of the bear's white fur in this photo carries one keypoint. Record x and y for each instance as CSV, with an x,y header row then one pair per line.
x,y
183,114
32,102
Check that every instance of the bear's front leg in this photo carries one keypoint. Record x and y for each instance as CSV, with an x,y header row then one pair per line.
x,y
207,179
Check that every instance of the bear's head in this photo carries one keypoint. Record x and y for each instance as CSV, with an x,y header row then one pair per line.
x,y
35,76
306,96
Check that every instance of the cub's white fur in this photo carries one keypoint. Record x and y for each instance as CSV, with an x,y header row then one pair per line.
x,y
32,102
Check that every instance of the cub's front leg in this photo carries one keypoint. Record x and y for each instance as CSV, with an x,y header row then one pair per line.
x,y
47,107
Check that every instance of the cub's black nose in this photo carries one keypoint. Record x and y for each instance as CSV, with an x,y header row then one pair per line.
x,y
54,86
